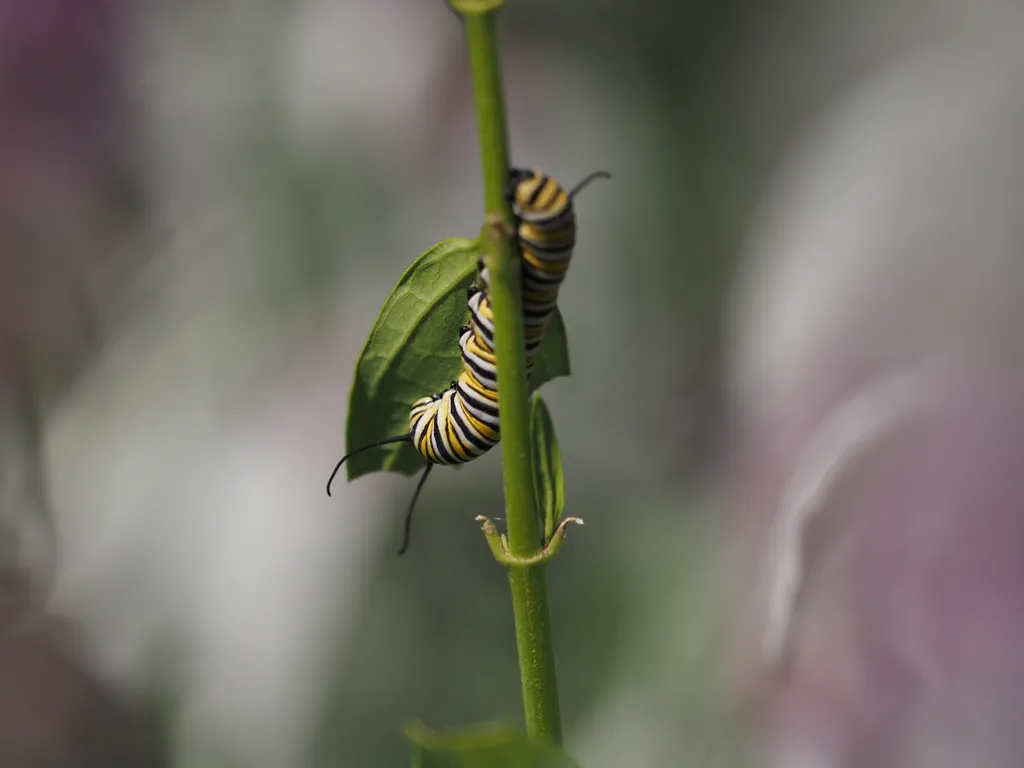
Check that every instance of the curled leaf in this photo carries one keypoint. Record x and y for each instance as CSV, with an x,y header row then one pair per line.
x,y
548,480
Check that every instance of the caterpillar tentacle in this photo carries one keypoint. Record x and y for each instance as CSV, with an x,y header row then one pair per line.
x,y
385,441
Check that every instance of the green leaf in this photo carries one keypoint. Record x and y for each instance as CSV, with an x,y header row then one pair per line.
x,y
553,356
482,746
413,351
548,481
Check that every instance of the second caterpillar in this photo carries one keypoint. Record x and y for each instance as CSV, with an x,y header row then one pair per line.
x,y
461,423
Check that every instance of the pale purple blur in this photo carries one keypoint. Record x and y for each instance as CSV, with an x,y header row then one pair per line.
x,y
67,189
890,252
67,205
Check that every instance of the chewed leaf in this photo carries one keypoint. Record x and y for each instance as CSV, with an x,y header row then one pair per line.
x,y
413,351
484,746
548,481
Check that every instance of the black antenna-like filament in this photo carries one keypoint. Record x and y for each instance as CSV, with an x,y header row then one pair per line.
x,y
385,441
412,506
419,485
586,180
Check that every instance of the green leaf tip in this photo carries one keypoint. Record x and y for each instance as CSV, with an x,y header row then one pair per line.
x,y
480,746
552,359
413,351
548,479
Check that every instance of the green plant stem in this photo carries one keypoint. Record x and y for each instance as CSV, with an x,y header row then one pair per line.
x,y
506,299
490,109
528,584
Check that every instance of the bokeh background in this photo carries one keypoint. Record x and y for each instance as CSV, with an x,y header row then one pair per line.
x,y
202,208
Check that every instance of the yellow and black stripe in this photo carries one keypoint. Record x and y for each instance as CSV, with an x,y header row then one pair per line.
x,y
461,423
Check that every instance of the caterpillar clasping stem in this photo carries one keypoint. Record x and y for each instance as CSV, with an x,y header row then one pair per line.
x,y
461,423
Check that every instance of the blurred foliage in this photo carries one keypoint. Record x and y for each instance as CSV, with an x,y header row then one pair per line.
x,y
435,632
324,231
487,746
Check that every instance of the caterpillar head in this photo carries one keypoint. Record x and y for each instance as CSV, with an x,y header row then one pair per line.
x,y
533,191
516,178
524,186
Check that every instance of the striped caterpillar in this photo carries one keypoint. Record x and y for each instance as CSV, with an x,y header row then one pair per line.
x,y
461,423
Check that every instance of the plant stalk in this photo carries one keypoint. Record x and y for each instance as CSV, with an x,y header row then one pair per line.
x,y
528,583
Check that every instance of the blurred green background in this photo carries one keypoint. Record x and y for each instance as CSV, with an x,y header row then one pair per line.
x,y
298,156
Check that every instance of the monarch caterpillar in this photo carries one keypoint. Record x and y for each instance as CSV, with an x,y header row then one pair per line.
x,y
461,423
